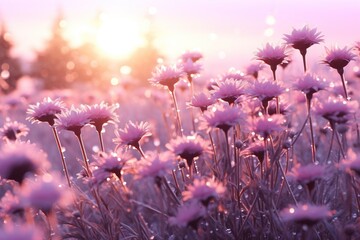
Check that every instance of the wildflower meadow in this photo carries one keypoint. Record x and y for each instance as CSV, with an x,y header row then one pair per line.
x,y
269,151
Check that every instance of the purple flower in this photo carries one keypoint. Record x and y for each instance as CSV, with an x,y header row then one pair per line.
x,y
45,111
20,232
72,120
191,68
204,191
17,159
232,73
305,214
191,55
101,114
307,174
304,38
222,116
351,163
228,90
12,131
265,90
338,58
264,126
253,69
272,55
167,76
309,84
189,147
188,214
255,149
202,101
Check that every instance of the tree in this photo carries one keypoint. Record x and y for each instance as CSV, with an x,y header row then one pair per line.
x,y
10,68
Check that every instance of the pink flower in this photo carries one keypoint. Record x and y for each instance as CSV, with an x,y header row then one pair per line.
x,y
304,38
12,131
228,90
189,147
156,166
336,110
232,73
72,120
192,55
188,214
307,174
45,193
309,84
264,126
132,134
305,214
204,191
17,159
101,114
45,111
272,55
256,149
167,76
20,232
351,162
222,116
265,90
183,85
191,68
338,58
10,204
254,69
202,101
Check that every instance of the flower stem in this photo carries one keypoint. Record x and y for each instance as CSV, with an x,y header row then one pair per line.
x,y
313,149
341,73
177,112
303,54
101,141
83,152
57,139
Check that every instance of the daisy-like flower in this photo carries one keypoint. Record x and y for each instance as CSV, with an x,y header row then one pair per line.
x,y
351,163
191,68
101,114
17,159
109,165
188,214
204,191
45,111
228,90
221,116
264,126
302,39
253,69
156,166
45,193
167,76
22,231
307,174
183,85
189,147
305,214
132,134
202,101
272,55
336,110
10,204
338,58
72,120
265,91
192,55
255,149
309,84
12,131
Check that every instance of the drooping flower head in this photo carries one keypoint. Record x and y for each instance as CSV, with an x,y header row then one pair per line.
x,y
188,214
17,159
204,191
228,90
336,110
305,214
167,76
13,130
189,147
309,84
272,55
304,38
338,58
221,116
101,114
45,111
202,101
192,55
72,120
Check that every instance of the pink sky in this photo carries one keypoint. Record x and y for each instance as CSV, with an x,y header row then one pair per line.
x,y
228,32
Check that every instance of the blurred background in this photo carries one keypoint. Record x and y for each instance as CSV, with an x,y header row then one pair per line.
x,y
64,42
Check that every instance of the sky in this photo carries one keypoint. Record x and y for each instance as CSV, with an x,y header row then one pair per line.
x,y
228,32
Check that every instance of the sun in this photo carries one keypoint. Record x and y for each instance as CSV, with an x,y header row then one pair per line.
x,y
117,39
